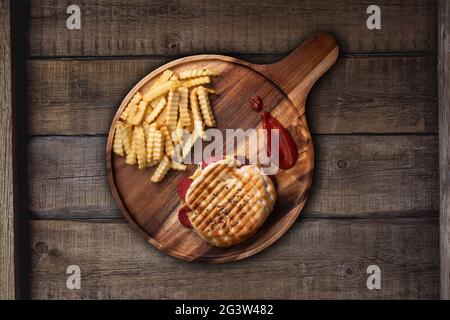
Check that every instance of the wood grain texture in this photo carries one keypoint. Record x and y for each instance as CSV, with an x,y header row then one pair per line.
x,y
284,87
7,204
354,176
444,142
317,258
140,27
361,95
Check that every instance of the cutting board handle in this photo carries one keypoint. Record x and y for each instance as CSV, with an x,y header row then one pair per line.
x,y
297,73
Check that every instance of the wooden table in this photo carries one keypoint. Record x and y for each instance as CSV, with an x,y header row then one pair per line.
x,y
374,117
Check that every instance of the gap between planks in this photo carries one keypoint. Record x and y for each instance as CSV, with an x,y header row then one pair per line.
x,y
245,57
215,26
396,215
378,177
355,134
359,95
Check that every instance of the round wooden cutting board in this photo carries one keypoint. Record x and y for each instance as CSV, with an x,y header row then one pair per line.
x,y
152,209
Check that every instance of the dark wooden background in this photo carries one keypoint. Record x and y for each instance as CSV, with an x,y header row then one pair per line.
x,y
375,196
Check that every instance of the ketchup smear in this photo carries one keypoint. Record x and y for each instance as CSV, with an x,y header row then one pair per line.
x,y
256,103
183,187
183,217
288,149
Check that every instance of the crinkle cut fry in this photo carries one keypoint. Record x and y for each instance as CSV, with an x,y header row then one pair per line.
x,y
205,107
161,170
194,73
117,142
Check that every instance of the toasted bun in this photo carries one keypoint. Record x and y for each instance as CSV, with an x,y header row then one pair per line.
x,y
229,202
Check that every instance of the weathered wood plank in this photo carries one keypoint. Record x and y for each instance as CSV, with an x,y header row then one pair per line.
x,y
354,176
141,27
444,142
360,94
317,258
7,205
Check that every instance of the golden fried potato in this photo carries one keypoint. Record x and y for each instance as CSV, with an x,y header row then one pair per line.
x,y
177,156
139,140
156,111
172,109
161,89
149,110
195,82
149,141
156,101
154,127
161,170
177,166
195,108
208,90
118,143
194,73
132,112
126,112
190,127
127,136
137,119
133,102
161,118
158,145
136,98
179,131
205,107
152,163
164,77
131,156
168,144
196,112
183,106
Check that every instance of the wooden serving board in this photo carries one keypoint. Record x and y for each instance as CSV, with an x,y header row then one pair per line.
x,y
152,209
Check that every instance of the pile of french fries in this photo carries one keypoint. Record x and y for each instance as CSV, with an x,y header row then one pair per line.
x,y
151,128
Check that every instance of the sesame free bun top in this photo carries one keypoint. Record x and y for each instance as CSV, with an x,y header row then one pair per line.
x,y
229,202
